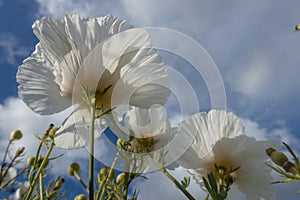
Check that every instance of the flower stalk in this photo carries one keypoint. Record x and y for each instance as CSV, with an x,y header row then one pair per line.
x,y
91,161
42,166
178,185
41,186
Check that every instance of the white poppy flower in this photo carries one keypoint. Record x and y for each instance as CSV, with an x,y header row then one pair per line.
x,y
98,53
220,141
150,128
150,133
6,181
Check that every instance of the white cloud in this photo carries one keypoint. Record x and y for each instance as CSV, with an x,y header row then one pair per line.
x,y
280,134
158,186
58,8
253,76
14,114
11,49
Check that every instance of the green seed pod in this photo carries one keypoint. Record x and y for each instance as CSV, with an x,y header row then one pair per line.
x,y
120,178
74,167
20,151
297,27
103,173
80,197
269,151
48,129
52,132
30,161
278,158
59,184
16,135
289,167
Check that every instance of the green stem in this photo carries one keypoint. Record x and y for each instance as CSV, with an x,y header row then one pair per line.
x,y
45,160
126,180
81,181
4,158
41,186
103,194
36,159
91,161
99,190
178,185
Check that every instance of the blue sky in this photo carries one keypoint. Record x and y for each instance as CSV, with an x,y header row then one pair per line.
x,y
251,42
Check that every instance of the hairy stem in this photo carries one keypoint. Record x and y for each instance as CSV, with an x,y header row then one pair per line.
x,y
178,185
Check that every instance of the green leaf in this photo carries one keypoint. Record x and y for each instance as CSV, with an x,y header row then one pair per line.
x,y
222,195
213,182
295,158
212,193
185,182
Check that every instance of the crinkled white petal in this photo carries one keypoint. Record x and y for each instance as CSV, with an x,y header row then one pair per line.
x,y
147,122
38,88
53,38
201,131
74,132
89,32
253,177
132,69
74,32
144,80
46,78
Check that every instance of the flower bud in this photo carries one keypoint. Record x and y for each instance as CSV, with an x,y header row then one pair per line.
x,y
20,151
120,178
297,27
48,129
80,197
30,161
290,167
16,135
277,157
103,174
52,132
74,167
120,143
58,184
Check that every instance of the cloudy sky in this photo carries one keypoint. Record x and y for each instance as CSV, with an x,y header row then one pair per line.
x,y
251,43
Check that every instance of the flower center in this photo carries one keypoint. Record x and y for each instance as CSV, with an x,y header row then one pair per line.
x,y
103,97
143,145
224,176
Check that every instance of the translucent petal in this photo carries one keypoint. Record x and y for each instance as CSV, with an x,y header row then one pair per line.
x,y
204,130
53,38
87,33
37,86
74,133
147,122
